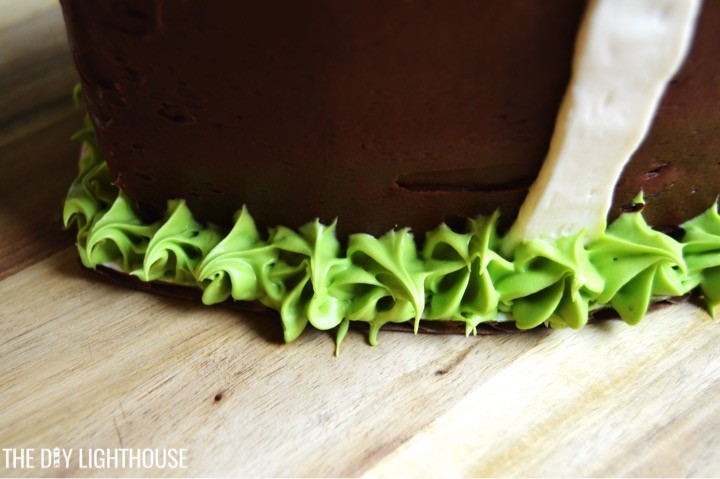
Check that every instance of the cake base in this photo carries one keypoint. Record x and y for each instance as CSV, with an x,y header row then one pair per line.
x,y
454,278
187,293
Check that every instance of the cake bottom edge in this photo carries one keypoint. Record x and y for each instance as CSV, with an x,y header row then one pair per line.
x,y
442,327
451,277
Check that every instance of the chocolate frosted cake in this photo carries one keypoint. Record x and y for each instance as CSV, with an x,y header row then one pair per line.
x,y
403,161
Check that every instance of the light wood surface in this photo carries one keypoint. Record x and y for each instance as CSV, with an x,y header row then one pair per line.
x,y
85,363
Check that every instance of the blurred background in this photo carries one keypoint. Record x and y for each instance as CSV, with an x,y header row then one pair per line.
x,y
37,117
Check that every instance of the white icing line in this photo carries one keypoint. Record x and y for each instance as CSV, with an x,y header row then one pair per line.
x,y
626,53
115,266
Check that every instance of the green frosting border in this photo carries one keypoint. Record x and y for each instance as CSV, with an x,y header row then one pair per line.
x,y
308,278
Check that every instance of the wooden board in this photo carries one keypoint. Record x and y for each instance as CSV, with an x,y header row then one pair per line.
x,y
85,363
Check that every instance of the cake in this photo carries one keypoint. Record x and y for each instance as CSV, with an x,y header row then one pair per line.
x,y
371,161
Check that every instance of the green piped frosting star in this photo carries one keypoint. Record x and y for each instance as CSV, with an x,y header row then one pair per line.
x,y
701,249
463,269
639,265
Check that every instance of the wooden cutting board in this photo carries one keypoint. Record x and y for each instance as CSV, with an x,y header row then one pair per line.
x,y
85,363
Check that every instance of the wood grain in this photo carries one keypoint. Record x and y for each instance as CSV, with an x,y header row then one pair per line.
x,y
85,363
611,401
89,364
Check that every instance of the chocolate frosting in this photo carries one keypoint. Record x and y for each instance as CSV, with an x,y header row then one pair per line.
x,y
678,164
380,113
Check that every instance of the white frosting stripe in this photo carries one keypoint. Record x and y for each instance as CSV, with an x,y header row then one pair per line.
x,y
626,53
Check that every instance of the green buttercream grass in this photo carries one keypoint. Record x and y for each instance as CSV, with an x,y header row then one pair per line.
x,y
308,278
